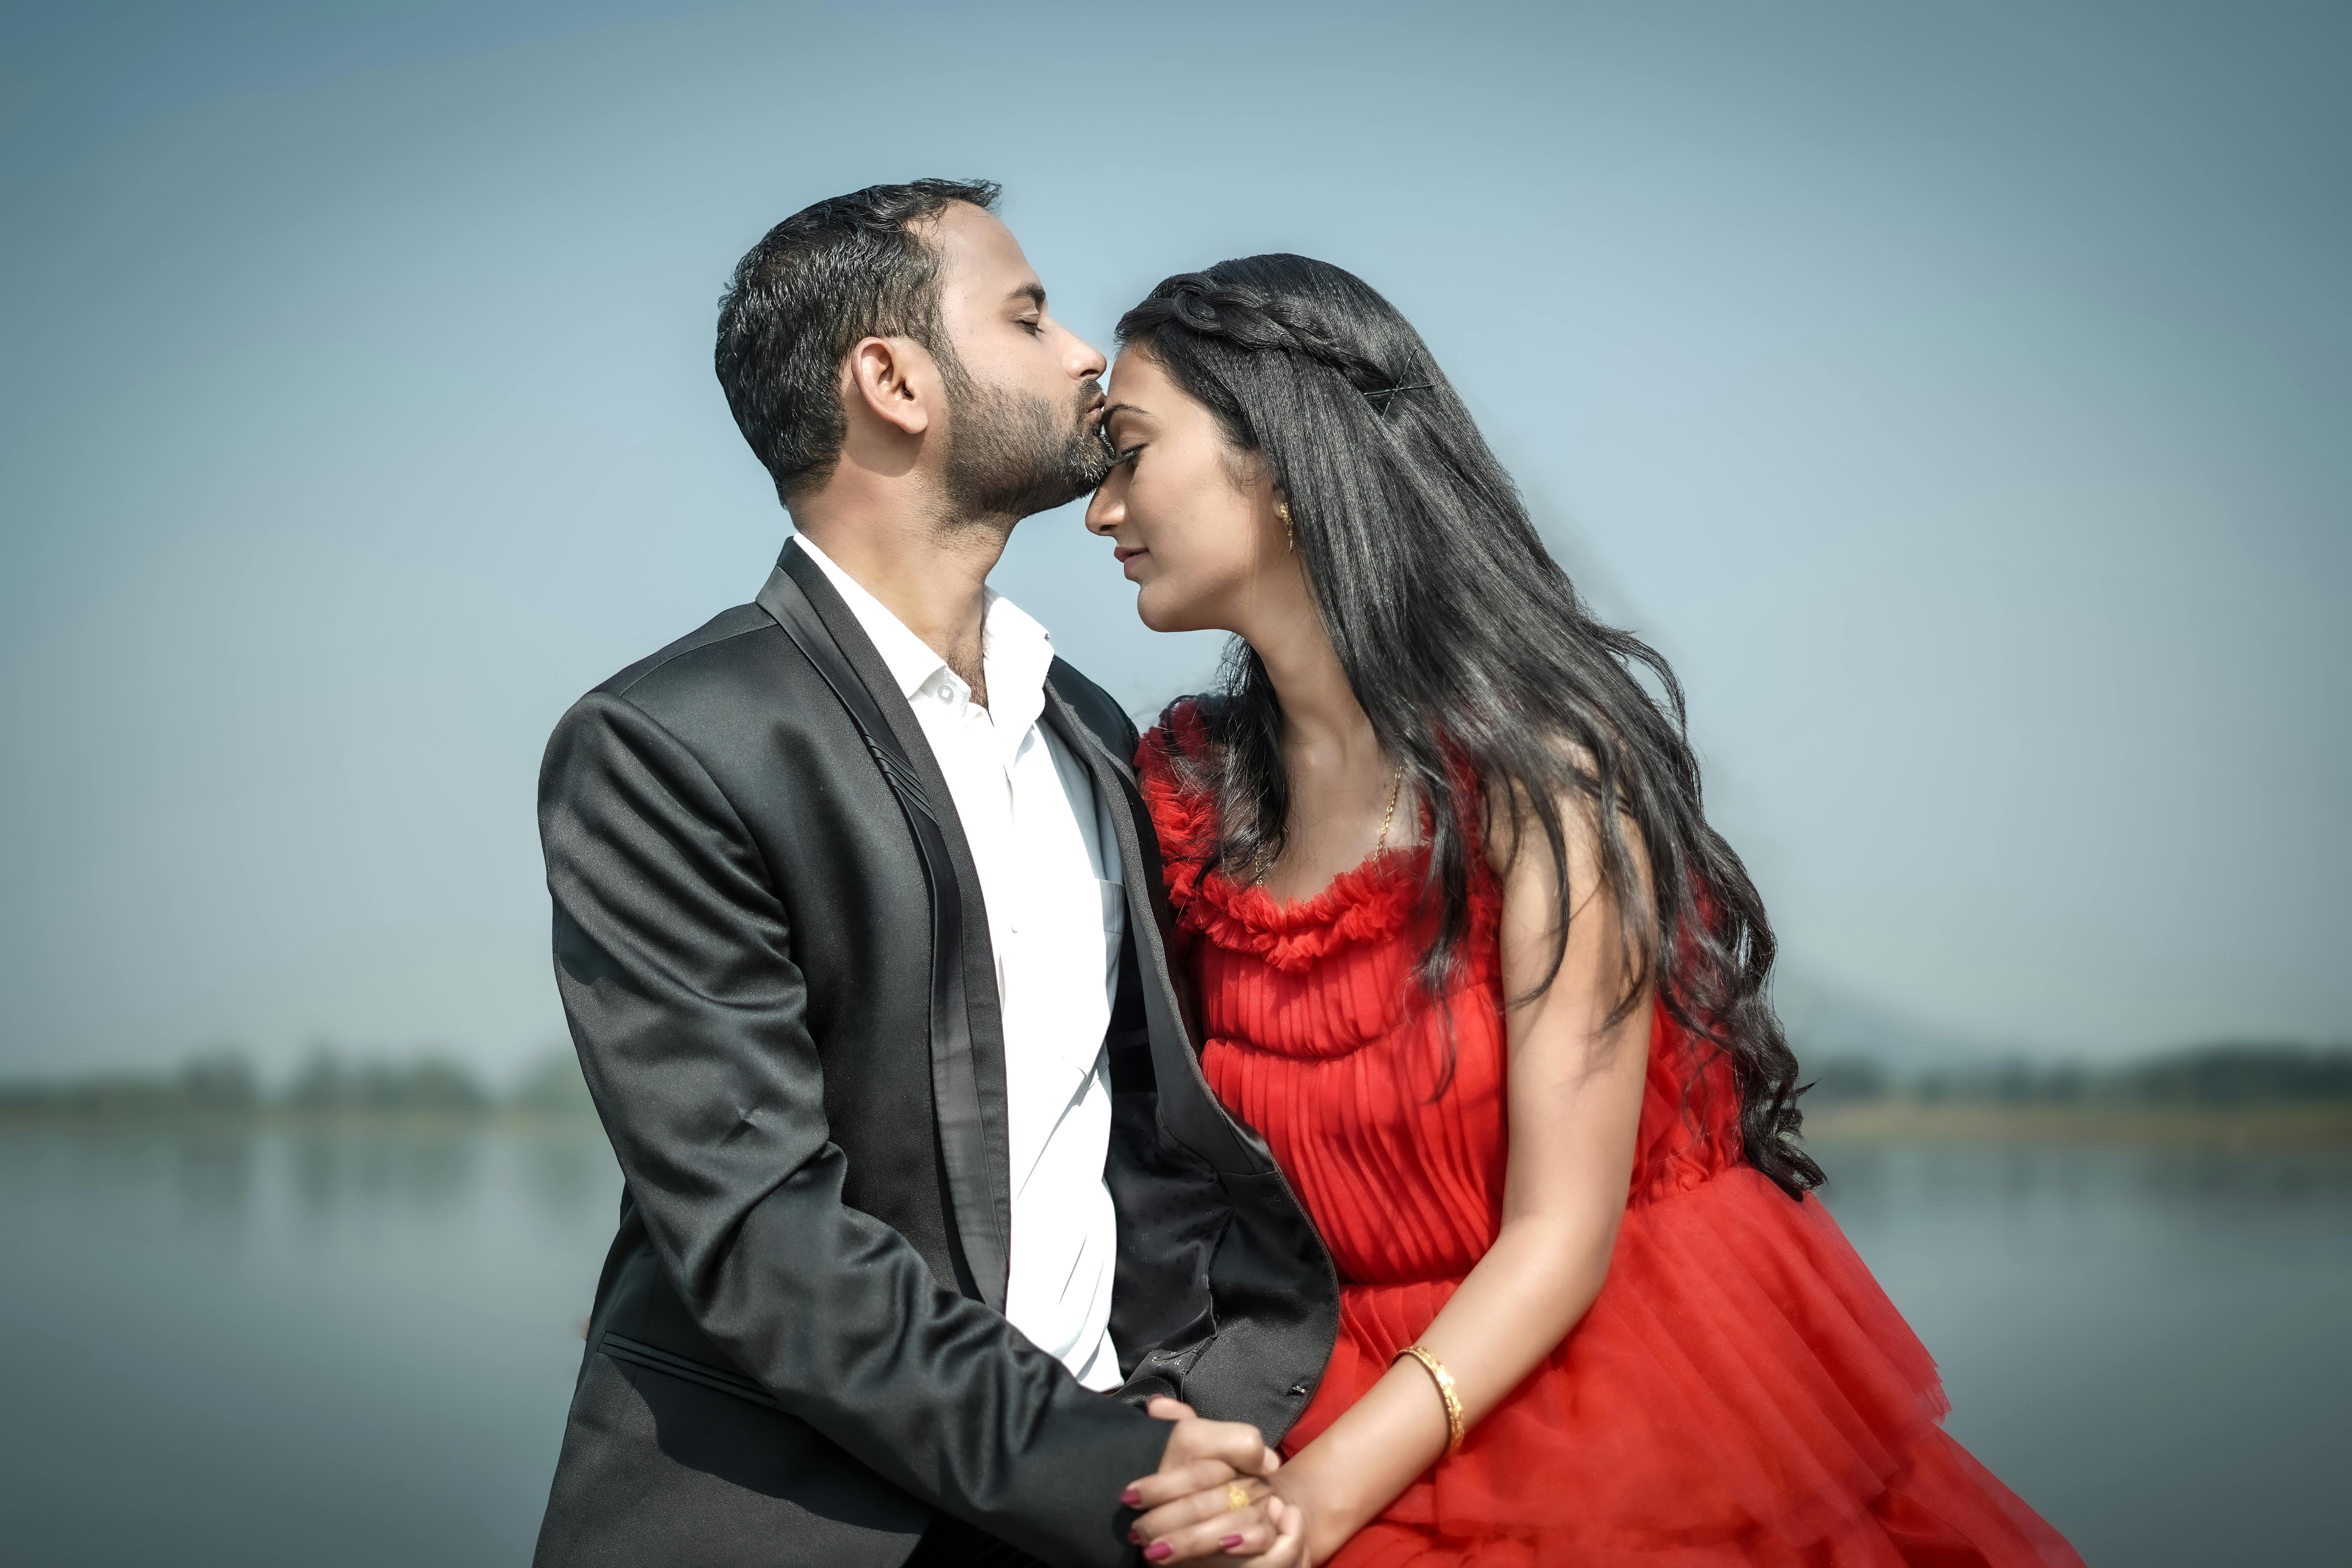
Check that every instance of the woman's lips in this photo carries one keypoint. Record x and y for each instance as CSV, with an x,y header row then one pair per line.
x,y
1126,557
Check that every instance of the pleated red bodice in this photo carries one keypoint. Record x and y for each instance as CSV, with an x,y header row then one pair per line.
x,y
1741,1391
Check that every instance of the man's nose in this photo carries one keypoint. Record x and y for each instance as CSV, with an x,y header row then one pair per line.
x,y
1088,363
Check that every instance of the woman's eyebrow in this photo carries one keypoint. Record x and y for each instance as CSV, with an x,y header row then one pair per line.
x,y
1110,409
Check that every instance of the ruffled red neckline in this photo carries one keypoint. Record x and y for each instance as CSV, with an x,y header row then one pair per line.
x,y
1367,904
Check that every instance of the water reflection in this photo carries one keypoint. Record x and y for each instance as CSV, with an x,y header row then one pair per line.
x,y
311,1344
353,1343
427,1172
216,1177
1864,1174
2146,1343
568,1180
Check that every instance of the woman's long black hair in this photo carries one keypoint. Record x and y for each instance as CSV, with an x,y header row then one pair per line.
x,y
1470,651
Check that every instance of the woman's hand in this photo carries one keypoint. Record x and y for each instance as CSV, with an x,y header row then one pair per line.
x,y
1288,1549
1204,1509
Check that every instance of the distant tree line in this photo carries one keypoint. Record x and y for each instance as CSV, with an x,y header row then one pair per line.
x,y
2218,1077
332,1082
328,1082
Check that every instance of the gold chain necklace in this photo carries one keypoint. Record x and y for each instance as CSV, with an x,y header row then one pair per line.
x,y
1396,786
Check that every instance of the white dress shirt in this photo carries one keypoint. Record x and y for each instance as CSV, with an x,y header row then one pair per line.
x,y
1057,915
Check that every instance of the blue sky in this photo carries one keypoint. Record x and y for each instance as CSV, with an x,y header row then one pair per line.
x,y
1957,394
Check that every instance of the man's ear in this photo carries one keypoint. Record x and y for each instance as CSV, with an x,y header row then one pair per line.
x,y
895,381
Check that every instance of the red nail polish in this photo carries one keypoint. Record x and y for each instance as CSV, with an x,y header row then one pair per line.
x,y
1158,1550
1135,1538
1230,1541
1130,1497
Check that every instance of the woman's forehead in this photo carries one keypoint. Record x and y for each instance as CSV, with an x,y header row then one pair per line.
x,y
1135,376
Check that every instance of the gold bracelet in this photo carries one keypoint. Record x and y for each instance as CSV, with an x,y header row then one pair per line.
x,y
1444,1381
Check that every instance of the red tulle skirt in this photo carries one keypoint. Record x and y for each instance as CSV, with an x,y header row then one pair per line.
x,y
1741,1393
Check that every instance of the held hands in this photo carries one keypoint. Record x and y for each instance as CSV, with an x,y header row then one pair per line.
x,y
1211,1499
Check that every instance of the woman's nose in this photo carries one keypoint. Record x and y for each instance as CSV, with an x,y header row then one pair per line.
x,y
1103,513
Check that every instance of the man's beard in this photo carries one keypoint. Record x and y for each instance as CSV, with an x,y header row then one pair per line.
x,y
1011,454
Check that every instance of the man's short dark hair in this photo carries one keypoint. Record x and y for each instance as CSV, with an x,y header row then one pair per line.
x,y
843,270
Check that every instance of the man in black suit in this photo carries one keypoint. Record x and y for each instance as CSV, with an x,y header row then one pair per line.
x,y
927,1206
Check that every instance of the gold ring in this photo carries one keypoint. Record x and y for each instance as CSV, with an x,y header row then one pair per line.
x,y
1237,1495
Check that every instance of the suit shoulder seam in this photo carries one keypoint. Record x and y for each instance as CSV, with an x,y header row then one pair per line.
x,y
669,656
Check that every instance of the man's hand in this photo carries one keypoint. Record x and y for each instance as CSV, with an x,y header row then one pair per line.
x,y
1210,1498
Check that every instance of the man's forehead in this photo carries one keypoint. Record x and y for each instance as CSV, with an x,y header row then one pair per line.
x,y
981,253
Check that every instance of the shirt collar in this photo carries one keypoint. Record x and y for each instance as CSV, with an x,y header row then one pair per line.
x,y
1015,650
1016,653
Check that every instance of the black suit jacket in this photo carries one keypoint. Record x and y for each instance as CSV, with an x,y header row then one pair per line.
x,y
774,959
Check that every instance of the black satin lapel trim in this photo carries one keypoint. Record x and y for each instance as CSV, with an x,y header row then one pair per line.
x,y
967,1040
1189,1109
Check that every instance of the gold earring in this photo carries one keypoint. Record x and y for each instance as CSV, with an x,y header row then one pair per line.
x,y
1289,533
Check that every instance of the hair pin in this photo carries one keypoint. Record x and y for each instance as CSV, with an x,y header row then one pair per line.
x,y
1380,399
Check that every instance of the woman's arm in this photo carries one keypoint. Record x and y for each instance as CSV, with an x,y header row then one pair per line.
x,y
1574,1100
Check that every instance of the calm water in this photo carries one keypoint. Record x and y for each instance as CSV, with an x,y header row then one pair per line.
x,y
292,1350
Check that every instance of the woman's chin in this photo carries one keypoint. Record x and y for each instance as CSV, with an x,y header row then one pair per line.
x,y
1161,616
1155,611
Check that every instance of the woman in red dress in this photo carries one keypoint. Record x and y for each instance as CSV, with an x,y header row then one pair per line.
x,y
1590,1312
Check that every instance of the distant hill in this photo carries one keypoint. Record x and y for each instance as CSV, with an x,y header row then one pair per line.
x,y
1855,1052
1827,1023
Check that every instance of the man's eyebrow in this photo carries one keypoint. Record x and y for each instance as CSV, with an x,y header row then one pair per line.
x,y
1032,292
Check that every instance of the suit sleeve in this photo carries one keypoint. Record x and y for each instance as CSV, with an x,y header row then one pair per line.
x,y
674,958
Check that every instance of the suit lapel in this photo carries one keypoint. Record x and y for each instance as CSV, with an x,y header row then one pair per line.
x,y
967,1044
1189,1109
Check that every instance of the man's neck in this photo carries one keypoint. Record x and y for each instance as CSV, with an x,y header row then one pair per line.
x,y
933,580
